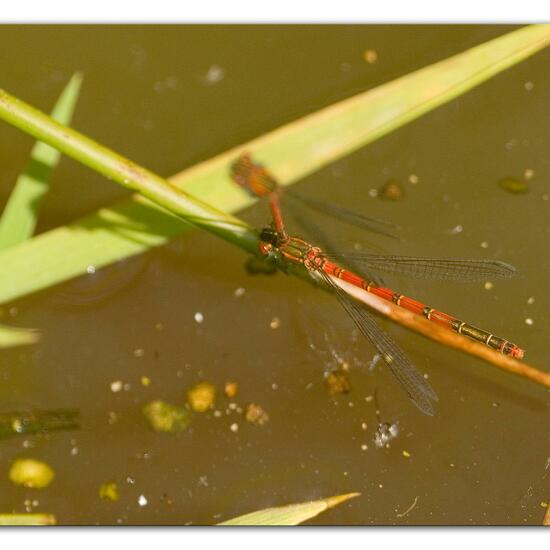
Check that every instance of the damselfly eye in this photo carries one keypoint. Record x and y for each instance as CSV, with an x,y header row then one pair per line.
x,y
269,235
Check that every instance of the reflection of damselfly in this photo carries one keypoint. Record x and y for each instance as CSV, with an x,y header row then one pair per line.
x,y
293,250
257,181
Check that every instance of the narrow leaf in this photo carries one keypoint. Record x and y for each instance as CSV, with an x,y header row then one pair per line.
x,y
12,336
292,151
293,514
20,214
27,519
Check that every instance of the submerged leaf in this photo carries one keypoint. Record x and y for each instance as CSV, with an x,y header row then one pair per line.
x,y
201,397
163,417
293,514
513,185
109,491
31,473
37,421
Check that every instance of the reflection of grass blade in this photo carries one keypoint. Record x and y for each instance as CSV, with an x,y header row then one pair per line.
x,y
27,519
19,218
292,152
293,514
12,336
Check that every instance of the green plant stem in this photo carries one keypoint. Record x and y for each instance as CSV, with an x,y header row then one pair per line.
x,y
125,172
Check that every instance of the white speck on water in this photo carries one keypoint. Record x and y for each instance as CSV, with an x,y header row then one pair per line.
x,y
531,300
488,285
234,427
203,481
364,426
74,451
127,387
545,197
529,85
275,323
364,447
130,480
373,193
214,74
511,144
456,230
274,387
413,178
529,321
239,292
139,352
528,173
90,269
484,244
116,386
375,360
142,500
199,317
13,311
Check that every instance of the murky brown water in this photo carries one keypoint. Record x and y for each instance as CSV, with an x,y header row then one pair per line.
x,y
482,459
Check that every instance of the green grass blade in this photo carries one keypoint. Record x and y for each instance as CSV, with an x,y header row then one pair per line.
x,y
292,151
293,514
20,214
12,336
27,519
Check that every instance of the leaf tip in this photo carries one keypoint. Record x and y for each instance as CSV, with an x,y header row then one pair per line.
x,y
338,499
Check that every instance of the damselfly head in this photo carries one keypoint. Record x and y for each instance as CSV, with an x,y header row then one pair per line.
x,y
269,235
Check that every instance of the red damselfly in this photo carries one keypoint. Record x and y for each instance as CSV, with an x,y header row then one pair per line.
x,y
294,250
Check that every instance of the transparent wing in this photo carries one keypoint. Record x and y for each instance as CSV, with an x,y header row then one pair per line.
x,y
348,216
456,269
418,389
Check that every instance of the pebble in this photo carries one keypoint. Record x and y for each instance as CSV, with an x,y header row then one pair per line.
x,y
116,386
199,317
371,56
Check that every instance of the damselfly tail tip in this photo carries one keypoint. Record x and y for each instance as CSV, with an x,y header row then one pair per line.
x,y
517,353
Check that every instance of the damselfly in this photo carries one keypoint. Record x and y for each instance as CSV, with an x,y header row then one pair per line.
x,y
294,250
